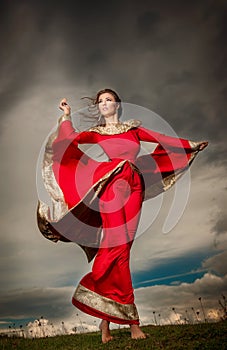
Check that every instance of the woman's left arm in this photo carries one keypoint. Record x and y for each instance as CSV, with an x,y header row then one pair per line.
x,y
169,141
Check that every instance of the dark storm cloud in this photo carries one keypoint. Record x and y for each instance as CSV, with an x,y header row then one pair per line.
x,y
220,227
35,302
216,17
21,37
147,22
217,263
41,38
219,16
205,25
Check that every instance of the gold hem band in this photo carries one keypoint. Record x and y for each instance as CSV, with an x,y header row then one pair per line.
x,y
105,305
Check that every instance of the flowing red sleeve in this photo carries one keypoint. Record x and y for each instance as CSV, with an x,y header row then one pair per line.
x,y
69,160
68,178
167,142
67,139
166,163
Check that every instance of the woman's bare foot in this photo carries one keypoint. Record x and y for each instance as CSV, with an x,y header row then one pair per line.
x,y
104,328
136,332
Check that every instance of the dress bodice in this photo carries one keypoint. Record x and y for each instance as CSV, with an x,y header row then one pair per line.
x,y
122,146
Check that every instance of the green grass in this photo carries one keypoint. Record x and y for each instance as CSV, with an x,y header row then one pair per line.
x,y
191,337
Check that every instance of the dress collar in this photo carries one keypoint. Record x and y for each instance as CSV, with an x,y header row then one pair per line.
x,y
115,129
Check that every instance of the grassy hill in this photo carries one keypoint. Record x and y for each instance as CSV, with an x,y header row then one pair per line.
x,y
191,337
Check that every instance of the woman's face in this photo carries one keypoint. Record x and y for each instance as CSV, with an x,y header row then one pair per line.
x,y
107,105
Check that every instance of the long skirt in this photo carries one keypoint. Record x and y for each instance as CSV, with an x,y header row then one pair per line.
x,y
107,291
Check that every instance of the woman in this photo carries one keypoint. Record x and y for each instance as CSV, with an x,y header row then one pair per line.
x,y
90,196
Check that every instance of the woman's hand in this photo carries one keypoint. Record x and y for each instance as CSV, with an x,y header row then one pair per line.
x,y
203,145
65,107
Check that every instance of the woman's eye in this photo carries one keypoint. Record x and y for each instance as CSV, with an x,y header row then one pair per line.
x,y
108,99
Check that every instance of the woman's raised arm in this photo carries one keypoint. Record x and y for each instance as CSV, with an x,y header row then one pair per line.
x,y
65,107
66,129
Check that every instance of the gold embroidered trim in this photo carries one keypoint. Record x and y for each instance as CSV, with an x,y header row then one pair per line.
x,y
105,305
116,129
59,206
194,145
103,180
63,118
170,180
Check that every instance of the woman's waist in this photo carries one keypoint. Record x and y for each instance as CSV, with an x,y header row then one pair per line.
x,y
127,161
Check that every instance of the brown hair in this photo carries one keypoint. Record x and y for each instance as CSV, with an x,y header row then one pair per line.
x,y
110,91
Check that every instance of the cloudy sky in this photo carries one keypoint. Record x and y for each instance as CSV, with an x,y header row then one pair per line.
x,y
168,57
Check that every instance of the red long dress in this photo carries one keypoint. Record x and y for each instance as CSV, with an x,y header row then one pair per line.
x,y
98,204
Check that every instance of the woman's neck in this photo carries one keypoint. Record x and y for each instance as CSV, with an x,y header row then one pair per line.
x,y
112,120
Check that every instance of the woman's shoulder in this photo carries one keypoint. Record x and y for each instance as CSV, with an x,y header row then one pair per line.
x,y
132,123
119,128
